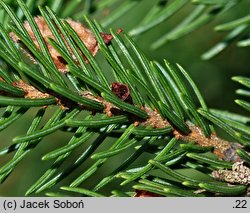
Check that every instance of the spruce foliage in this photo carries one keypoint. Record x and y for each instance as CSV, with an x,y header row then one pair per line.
x,y
133,126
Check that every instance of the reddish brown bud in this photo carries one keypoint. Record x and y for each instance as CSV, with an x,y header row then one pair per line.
x,y
141,193
119,31
106,38
121,91
84,33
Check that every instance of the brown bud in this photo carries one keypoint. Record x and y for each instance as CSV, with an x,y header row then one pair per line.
x,y
106,38
121,91
142,193
84,33
119,31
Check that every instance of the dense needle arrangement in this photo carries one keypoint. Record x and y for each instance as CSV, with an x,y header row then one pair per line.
x,y
144,120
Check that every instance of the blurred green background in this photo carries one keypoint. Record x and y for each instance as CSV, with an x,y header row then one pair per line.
x,y
213,78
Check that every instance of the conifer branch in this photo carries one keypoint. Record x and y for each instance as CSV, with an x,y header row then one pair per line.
x,y
149,107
